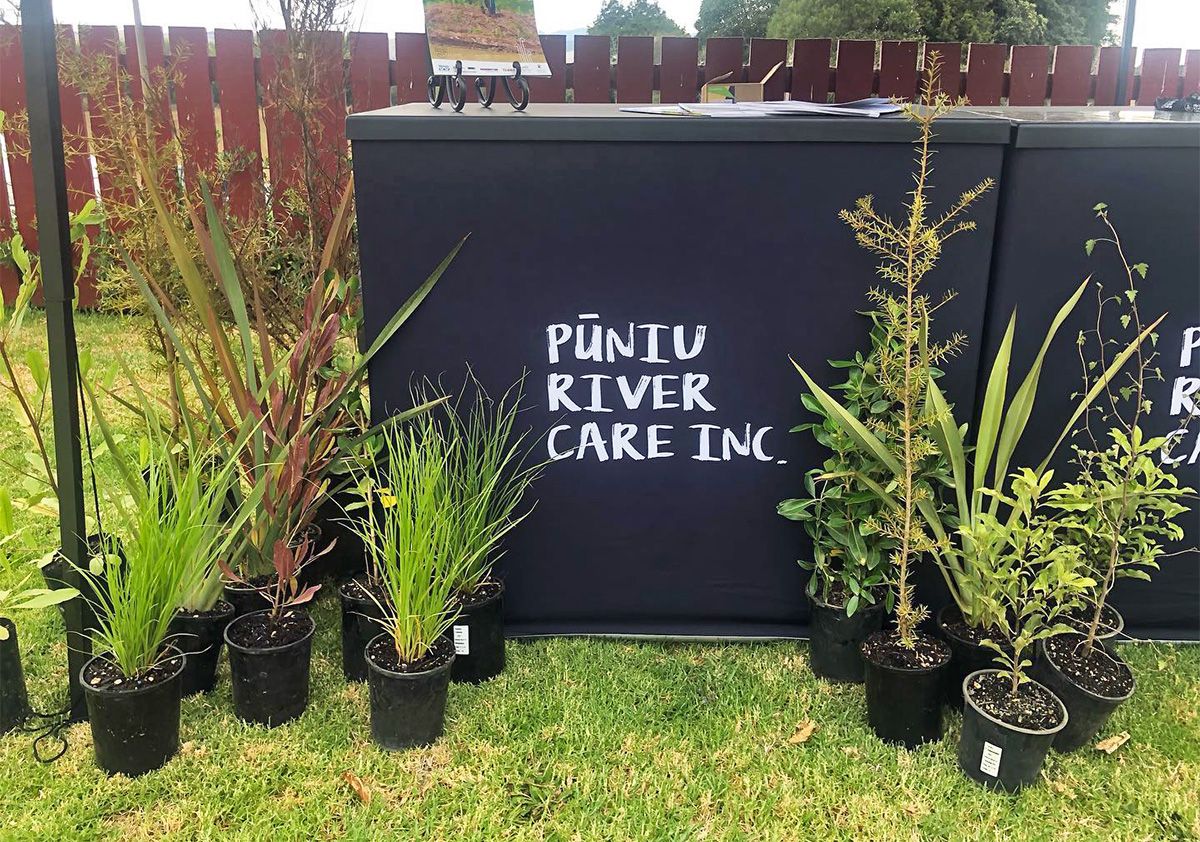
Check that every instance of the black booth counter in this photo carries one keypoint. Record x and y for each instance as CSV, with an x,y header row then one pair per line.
x,y
651,275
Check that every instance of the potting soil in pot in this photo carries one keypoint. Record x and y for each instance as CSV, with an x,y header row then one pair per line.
x,y
382,653
106,675
260,632
1034,707
1100,673
885,649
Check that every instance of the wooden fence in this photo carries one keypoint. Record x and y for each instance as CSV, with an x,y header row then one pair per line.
x,y
223,95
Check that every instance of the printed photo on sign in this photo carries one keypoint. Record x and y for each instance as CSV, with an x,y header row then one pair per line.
x,y
487,36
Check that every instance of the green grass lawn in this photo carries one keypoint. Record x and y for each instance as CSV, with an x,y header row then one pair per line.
x,y
591,739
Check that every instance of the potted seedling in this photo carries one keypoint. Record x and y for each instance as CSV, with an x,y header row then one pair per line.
x,y
133,686
1122,509
190,481
270,651
904,668
487,479
1036,576
409,531
847,588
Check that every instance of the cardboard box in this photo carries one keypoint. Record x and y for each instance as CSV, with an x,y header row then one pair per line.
x,y
718,90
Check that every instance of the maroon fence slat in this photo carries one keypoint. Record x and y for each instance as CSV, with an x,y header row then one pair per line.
x,y
79,170
1160,75
80,186
101,50
724,55
593,68
160,113
153,39
855,70
283,134
1106,76
240,132
949,66
677,75
985,73
635,68
765,53
1191,74
326,136
898,69
370,82
554,87
193,100
1027,77
12,101
412,68
1072,81
9,280
810,69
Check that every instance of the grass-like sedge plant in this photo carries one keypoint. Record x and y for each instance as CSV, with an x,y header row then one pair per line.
x,y
408,529
170,513
488,476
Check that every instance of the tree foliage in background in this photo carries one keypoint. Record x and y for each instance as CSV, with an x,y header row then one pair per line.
x,y
747,18
1000,21
846,19
638,17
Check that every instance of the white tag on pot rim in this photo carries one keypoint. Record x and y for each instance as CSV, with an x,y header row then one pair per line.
x,y
462,640
989,764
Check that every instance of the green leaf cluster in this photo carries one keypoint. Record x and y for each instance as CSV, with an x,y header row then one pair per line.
x,y
1030,573
434,512
841,509
1125,484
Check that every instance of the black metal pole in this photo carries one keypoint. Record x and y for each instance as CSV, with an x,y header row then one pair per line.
x,y
54,249
1126,53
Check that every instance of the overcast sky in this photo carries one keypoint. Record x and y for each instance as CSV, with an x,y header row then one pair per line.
x,y
1160,23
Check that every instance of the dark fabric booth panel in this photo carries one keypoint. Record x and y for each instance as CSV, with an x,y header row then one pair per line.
x,y
739,235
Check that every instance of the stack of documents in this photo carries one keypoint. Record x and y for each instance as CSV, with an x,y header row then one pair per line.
x,y
872,107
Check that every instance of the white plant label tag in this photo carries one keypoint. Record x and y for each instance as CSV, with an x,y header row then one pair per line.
x,y
462,640
990,762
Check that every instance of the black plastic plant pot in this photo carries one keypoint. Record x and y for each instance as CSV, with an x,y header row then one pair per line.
x,y
244,599
359,626
200,636
408,710
998,755
14,701
134,731
835,640
904,706
478,636
270,684
966,657
1088,712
